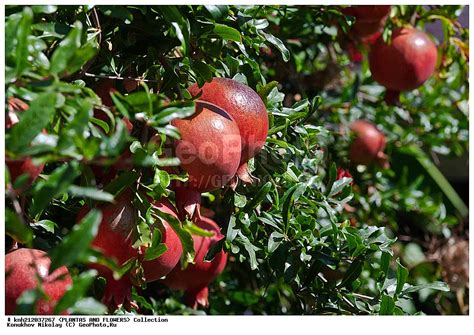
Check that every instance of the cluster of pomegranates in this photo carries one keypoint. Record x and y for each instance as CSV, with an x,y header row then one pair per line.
x,y
403,64
228,128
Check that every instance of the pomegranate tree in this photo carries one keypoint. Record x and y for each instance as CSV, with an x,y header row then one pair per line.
x,y
248,111
23,268
404,64
194,280
115,239
209,151
21,166
368,145
161,266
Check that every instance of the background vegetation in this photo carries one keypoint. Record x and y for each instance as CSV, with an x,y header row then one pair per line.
x,y
300,241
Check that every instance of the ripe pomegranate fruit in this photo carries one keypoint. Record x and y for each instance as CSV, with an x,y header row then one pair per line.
x,y
248,111
209,151
115,239
405,64
161,266
23,267
369,19
368,144
21,166
194,280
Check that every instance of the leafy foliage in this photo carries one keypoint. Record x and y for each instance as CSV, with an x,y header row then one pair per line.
x,y
300,240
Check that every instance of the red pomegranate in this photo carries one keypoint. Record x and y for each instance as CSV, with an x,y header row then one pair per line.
x,y
368,144
23,267
21,166
194,280
406,63
115,239
209,151
161,266
248,111
369,19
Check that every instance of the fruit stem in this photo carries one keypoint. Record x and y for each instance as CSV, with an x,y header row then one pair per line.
x,y
188,203
392,98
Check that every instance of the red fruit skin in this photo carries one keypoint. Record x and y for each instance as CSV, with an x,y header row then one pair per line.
x,y
23,166
369,19
114,239
196,277
341,173
406,63
368,144
22,267
209,148
103,89
368,12
161,266
244,105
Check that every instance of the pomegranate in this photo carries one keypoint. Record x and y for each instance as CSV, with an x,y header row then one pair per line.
x,y
209,151
161,266
405,64
21,166
131,85
369,19
194,280
115,239
23,267
368,144
248,111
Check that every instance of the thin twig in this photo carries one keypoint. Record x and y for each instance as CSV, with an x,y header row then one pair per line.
x,y
103,76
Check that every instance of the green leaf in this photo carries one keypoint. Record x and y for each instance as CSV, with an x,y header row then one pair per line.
x,y
402,276
250,248
227,33
76,291
352,273
214,249
88,306
217,11
175,110
204,70
23,31
274,241
32,121
16,229
278,44
288,207
91,193
47,225
259,196
387,305
77,242
385,263
184,236
66,49
439,286
179,23
156,249
195,230
58,182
